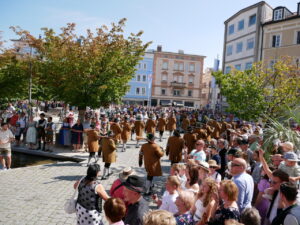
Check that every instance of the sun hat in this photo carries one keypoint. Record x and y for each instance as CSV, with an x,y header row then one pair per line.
x,y
212,163
135,183
291,156
204,165
126,172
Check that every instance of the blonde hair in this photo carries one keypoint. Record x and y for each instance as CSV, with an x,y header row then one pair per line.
x,y
213,188
173,180
230,189
188,198
176,167
159,217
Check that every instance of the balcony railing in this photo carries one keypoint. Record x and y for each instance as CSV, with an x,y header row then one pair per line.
x,y
178,84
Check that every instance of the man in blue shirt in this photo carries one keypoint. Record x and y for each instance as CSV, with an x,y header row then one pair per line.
x,y
244,182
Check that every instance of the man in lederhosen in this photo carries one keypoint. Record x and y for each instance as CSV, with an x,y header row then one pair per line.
x,y
41,135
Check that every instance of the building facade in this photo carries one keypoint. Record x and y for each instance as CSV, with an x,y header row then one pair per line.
x,y
206,88
177,79
140,84
243,35
282,36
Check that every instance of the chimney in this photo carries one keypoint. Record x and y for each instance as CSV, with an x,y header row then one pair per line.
x,y
159,48
180,51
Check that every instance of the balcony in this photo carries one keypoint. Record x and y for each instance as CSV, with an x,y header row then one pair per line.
x,y
178,84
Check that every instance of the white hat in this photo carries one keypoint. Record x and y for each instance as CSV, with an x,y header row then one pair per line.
x,y
289,146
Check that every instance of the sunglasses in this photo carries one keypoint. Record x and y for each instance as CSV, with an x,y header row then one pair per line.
x,y
199,144
213,167
235,165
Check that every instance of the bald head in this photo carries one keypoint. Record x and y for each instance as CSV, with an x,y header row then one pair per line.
x,y
238,166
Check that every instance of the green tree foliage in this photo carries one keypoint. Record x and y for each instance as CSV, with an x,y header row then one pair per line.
x,y
92,70
260,90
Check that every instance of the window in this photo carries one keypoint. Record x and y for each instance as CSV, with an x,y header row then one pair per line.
x,y
250,43
164,77
203,95
275,41
241,25
238,66
138,78
239,47
137,91
252,20
144,78
181,66
192,67
190,93
278,14
145,66
175,78
191,79
143,91
139,66
248,66
180,79
176,92
165,66
163,91
229,50
227,69
176,66
298,37
231,29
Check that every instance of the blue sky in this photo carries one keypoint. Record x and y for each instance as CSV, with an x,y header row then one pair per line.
x,y
195,26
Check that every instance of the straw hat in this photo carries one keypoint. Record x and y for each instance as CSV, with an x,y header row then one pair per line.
x,y
213,163
126,172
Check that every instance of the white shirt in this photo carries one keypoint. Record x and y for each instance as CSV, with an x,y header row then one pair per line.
x,y
22,121
4,137
168,202
216,176
200,209
273,213
199,156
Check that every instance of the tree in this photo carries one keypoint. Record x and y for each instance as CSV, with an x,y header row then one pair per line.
x,y
91,70
260,90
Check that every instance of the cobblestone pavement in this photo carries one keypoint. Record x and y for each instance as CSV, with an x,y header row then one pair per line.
x,y
36,195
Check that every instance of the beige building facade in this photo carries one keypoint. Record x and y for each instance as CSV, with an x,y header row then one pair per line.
x,y
282,36
177,79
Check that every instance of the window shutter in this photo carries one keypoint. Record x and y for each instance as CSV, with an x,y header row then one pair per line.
x,y
274,41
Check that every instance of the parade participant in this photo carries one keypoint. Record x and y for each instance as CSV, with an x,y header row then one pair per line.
x,y
185,123
93,144
150,126
50,131
169,196
41,125
115,210
184,203
244,182
161,126
6,137
151,154
31,133
108,149
209,131
89,192
126,132
132,121
171,123
76,134
174,147
201,133
159,217
116,129
193,121
138,206
216,128
86,126
65,133
139,126
190,139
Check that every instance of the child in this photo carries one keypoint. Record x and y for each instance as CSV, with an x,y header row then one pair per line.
x,y
205,202
169,197
178,169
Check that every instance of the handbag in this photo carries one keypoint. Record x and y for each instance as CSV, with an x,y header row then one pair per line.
x,y
70,204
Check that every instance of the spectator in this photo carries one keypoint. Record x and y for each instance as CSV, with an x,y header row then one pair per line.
x,y
290,166
291,213
244,183
159,217
229,210
65,133
192,175
178,169
31,133
215,155
76,133
50,131
213,174
198,153
250,216
184,203
138,206
203,170
41,125
222,145
169,197
89,191
115,210
205,203
6,137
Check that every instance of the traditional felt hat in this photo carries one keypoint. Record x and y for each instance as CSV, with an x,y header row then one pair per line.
x,y
135,183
